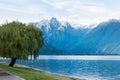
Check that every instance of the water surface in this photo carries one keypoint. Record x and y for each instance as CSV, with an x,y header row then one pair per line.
x,y
83,67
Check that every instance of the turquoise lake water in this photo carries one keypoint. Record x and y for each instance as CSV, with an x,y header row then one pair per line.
x,y
83,67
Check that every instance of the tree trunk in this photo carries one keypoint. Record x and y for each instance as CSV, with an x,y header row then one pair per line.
x,y
13,60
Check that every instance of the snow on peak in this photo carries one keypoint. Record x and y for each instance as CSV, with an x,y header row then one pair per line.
x,y
53,20
44,24
53,23
114,20
65,24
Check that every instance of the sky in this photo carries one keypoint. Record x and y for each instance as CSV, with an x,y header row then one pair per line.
x,y
83,12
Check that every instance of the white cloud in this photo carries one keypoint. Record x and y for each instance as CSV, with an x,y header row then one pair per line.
x,y
74,11
29,9
58,3
94,9
75,6
78,12
15,10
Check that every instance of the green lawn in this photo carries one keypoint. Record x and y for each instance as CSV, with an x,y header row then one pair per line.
x,y
30,74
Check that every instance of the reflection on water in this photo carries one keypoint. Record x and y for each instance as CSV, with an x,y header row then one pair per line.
x,y
85,57
83,67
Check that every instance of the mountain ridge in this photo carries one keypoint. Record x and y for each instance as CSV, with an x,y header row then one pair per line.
x,y
103,38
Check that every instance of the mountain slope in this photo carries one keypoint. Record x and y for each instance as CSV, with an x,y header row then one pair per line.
x,y
103,39
60,34
50,50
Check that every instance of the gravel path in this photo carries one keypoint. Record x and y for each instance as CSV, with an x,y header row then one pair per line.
x,y
5,75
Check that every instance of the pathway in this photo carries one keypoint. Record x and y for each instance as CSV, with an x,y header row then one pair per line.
x,y
5,75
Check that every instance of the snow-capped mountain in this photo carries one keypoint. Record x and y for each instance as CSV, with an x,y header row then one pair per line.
x,y
102,38
59,34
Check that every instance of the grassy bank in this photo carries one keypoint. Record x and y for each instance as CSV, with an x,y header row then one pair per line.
x,y
30,74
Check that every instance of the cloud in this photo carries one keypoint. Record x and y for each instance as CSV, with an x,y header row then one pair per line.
x,y
73,11
58,3
15,10
29,9
79,12
73,6
94,9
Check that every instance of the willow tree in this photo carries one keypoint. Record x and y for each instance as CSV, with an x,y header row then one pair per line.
x,y
18,41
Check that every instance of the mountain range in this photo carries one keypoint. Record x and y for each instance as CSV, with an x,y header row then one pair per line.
x,y
62,38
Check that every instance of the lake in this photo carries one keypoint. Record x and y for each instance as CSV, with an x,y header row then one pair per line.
x,y
83,67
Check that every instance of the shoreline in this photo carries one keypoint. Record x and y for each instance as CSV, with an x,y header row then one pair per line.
x,y
72,78
44,73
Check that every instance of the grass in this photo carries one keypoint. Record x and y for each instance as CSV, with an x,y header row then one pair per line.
x,y
30,74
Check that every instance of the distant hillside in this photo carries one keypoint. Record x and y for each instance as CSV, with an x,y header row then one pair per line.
x,y
50,50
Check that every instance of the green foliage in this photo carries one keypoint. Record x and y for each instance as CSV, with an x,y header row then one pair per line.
x,y
18,40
